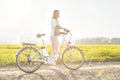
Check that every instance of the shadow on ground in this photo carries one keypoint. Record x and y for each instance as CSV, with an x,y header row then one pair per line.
x,y
60,75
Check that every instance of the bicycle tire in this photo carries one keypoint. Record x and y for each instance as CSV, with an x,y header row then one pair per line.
x,y
21,54
76,52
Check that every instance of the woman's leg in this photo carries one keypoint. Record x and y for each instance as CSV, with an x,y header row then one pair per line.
x,y
53,45
56,45
54,42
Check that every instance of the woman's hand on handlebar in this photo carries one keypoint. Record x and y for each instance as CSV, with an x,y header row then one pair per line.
x,y
66,30
65,33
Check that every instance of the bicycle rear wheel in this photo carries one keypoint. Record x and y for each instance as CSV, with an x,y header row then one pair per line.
x,y
27,59
73,58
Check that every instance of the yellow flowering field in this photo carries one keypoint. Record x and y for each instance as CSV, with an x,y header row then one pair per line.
x,y
92,53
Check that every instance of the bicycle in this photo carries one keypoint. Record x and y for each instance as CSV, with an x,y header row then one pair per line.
x,y
29,58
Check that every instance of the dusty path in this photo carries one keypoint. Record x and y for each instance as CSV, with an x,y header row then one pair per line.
x,y
89,71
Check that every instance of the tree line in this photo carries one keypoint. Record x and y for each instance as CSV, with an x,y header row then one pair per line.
x,y
99,40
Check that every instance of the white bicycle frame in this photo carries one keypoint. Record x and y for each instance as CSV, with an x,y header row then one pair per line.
x,y
67,43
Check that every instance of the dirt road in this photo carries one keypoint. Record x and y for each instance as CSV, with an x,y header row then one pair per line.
x,y
89,71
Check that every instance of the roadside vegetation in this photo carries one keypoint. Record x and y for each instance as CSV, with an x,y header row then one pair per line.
x,y
106,52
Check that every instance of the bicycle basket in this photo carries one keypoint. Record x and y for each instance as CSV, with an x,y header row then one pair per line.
x,y
28,39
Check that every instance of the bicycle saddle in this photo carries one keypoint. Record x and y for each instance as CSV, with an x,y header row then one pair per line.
x,y
40,35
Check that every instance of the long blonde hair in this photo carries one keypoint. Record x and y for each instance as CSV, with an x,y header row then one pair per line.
x,y
54,13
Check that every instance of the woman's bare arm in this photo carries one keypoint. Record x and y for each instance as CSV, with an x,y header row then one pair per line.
x,y
58,27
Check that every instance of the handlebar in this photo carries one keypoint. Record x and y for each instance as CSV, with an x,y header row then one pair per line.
x,y
66,34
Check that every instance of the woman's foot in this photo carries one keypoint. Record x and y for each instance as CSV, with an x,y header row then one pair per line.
x,y
51,60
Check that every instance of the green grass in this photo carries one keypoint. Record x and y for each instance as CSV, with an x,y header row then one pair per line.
x,y
91,52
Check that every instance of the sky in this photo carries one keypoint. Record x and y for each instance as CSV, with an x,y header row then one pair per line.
x,y
84,18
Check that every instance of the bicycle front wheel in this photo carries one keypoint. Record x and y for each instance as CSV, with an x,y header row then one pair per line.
x,y
27,59
73,58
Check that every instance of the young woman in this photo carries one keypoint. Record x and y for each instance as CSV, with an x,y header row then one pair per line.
x,y
55,32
